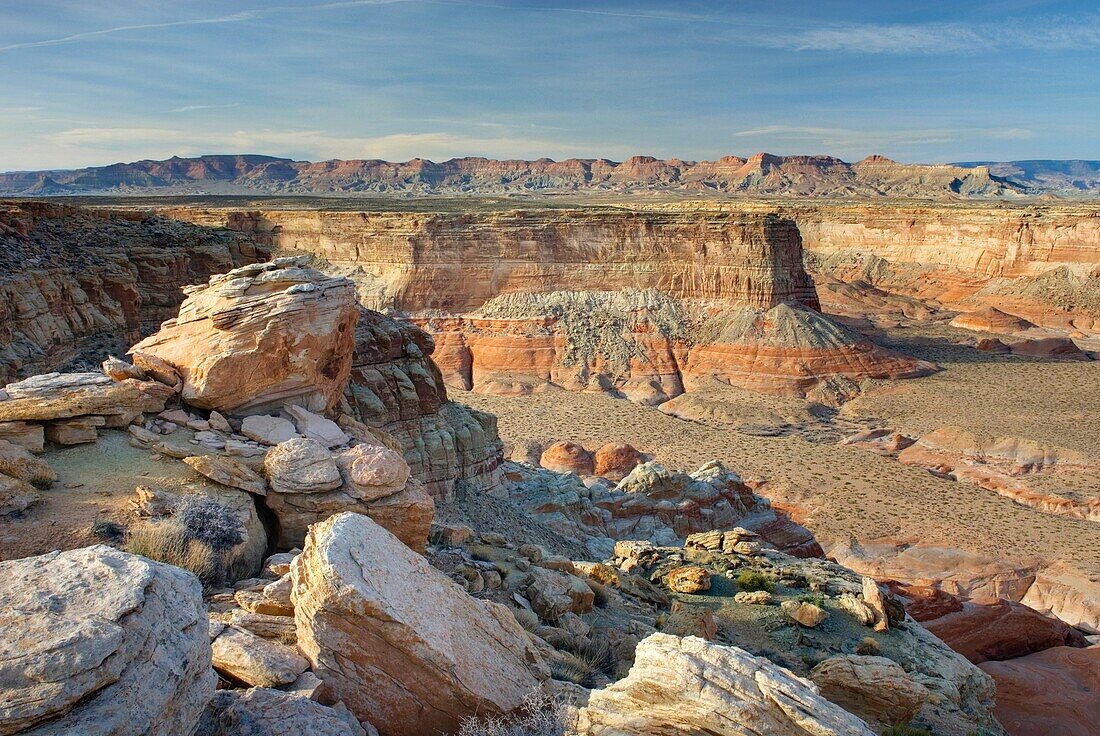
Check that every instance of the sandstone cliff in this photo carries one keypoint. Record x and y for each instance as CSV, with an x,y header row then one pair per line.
x,y
75,280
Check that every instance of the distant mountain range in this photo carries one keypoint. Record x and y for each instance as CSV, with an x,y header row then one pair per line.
x,y
762,174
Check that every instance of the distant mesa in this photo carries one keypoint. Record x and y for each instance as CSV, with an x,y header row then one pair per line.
x,y
760,174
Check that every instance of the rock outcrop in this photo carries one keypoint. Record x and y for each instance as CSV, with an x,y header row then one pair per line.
x,y
395,640
100,642
261,711
689,685
654,503
876,689
259,337
991,319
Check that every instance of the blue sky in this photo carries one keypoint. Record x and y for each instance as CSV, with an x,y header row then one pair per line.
x,y
85,83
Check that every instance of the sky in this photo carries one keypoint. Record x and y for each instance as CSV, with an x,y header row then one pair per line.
x,y
90,83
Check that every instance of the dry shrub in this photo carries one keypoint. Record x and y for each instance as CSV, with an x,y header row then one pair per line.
x,y
168,542
540,715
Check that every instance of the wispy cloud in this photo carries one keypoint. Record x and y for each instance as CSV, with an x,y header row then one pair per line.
x,y
938,38
242,16
193,108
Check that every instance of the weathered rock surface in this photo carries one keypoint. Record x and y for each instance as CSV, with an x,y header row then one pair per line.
x,y
681,686
261,336
228,472
97,641
52,396
398,642
1050,692
261,711
876,689
1001,630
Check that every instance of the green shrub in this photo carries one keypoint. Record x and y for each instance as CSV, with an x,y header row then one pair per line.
x,y
752,580
906,730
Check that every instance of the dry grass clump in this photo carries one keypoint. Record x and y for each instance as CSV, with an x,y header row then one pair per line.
x,y
197,537
584,662
541,715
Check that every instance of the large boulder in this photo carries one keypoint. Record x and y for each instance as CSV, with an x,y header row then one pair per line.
x,y
396,640
261,336
690,686
99,642
567,457
876,689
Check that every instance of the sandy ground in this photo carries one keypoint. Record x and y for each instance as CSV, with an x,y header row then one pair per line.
x,y
95,483
855,493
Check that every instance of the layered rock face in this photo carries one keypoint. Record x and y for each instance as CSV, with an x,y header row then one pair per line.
x,y
1051,692
396,387
260,337
1039,263
100,642
75,280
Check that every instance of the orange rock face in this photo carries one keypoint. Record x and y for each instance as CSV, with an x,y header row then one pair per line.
x,y
1051,692
260,337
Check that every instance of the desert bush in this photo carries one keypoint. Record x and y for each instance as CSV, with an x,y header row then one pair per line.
x,y
541,715
197,537
817,600
752,580
210,523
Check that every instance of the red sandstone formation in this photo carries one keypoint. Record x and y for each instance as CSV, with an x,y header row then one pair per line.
x,y
1051,692
615,460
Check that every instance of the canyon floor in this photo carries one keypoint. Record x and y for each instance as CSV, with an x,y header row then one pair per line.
x,y
846,492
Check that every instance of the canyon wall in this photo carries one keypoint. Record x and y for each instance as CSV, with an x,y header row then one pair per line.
x,y
75,280
456,262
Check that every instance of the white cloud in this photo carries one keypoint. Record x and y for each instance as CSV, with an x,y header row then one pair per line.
x,y
193,108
